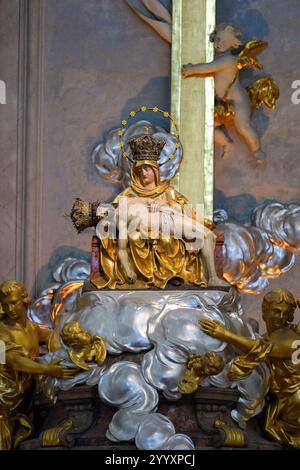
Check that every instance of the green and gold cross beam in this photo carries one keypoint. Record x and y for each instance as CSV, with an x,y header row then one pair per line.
x,y
193,99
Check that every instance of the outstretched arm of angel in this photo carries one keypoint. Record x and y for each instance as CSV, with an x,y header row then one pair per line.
x,y
22,363
217,330
209,68
281,348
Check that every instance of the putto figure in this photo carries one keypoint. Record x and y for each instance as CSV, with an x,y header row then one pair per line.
x,y
82,346
278,349
198,368
234,103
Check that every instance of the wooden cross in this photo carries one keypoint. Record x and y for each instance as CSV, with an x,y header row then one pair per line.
x,y
193,99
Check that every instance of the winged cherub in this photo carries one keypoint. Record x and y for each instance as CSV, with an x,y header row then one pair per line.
x,y
234,103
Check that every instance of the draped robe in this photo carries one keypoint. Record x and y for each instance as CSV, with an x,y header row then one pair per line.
x,y
283,410
156,260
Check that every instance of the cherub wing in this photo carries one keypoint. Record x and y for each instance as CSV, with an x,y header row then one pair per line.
x,y
78,361
255,47
247,57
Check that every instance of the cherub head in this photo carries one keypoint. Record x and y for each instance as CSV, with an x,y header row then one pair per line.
x,y
82,345
226,37
213,364
75,337
198,368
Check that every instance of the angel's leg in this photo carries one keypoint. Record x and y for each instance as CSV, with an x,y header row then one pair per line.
x,y
222,139
242,121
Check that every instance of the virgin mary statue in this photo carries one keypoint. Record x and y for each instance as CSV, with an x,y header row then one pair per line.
x,y
148,256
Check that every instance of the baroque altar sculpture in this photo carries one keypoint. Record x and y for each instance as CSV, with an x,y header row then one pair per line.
x,y
234,103
116,317
126,333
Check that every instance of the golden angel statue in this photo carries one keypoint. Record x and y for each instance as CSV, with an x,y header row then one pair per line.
x,y
234,103
278,347
21,339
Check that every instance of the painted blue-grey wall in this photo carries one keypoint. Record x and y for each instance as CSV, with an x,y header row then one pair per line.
x,y
239,185
237,181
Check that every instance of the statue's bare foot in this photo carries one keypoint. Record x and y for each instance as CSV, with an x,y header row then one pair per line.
x,y
129,271
131,276
177,282
217,282
260,157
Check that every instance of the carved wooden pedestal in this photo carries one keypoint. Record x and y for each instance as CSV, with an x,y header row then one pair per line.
x,y
79,420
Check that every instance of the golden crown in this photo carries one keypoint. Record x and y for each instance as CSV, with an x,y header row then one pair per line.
x,y
145,147
143,109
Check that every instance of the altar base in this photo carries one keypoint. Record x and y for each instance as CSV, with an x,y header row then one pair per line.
x,y
91,419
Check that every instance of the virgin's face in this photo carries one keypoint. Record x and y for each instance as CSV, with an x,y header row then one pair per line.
x,y
146,175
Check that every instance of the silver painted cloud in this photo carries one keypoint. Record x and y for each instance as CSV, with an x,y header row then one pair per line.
x,y
162,327
264,250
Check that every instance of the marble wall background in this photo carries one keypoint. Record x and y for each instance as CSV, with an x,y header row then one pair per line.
x,y
90,63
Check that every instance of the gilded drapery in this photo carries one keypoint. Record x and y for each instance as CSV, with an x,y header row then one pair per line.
x,y
283,411
14,426
156,260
